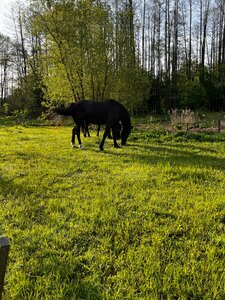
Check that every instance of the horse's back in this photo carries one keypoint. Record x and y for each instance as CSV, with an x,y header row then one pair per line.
x,y
115,109
100,112
94,112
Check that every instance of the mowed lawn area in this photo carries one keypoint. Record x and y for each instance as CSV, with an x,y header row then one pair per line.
x,y
146,221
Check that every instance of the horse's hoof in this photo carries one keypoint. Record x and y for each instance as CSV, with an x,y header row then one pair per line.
x,y
81,146
73,145
101,149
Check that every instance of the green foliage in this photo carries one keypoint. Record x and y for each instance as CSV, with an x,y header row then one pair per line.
x,y
192,93
142,222
86,55
132,87
26,99
203,89
111,49
5,109
79,50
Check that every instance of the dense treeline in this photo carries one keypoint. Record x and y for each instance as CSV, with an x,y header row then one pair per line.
x,y
151,55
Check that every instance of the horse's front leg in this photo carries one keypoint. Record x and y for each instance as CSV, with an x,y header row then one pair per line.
x,y
106,133
114,133
73,136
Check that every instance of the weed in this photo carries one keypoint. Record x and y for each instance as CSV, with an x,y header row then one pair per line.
x,y
182,118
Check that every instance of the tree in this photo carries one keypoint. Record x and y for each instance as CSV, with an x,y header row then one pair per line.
x,y
143,53
78,40
5,66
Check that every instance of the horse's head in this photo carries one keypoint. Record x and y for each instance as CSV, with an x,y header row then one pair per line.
x,y
117,131
124,135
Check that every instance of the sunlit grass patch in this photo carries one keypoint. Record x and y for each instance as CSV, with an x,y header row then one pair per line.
x,y
142,222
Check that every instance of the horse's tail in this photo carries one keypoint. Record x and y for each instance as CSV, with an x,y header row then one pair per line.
x,y
57,115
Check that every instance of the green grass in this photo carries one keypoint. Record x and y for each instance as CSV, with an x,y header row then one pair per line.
x,y
143,222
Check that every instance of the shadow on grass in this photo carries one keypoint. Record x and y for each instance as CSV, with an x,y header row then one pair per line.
x,y
83,291
7,186
22,203
171,153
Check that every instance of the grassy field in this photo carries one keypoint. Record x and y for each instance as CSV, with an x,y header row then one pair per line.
x,y
146,221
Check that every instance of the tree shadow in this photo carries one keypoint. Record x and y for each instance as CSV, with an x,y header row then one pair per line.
x,y
171,153
7,186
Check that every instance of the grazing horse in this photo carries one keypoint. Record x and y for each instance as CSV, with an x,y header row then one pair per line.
x,y
110,113
86,131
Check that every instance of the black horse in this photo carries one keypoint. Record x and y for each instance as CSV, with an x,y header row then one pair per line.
x,y
109,112
87,133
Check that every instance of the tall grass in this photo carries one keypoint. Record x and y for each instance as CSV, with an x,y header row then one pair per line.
x,y
142,222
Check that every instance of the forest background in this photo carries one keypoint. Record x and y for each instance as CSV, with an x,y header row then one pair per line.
x,y
152,56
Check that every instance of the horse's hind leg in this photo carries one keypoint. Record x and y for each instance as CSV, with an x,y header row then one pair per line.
x,y
85,129
98,130
78,137
76,131
109,135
